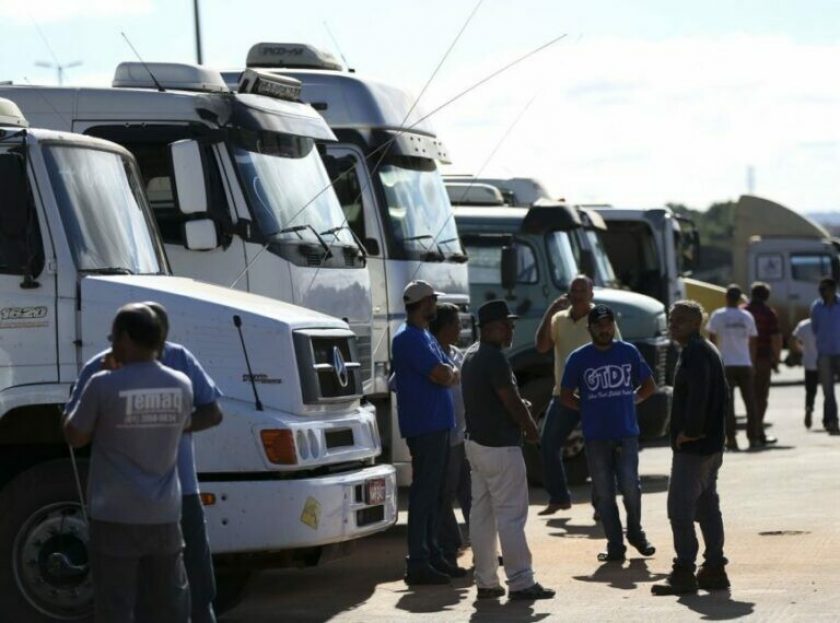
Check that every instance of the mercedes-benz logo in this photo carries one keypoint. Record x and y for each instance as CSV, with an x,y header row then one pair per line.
x,y
340,367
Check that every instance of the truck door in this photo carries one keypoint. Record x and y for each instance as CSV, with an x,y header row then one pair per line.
x,y
28,343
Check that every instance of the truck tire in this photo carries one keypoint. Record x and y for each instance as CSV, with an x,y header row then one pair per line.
x,y
231,588
44,572
539,392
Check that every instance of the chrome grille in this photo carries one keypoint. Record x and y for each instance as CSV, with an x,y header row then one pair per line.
x,y
655,353
329,365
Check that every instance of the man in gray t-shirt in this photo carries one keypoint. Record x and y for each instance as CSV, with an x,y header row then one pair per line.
x,y
134,418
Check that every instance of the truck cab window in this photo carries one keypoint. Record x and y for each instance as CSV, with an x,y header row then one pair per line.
x,y
21,250
486,262
810,267
348,188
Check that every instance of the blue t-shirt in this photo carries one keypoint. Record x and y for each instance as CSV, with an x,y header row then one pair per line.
x,y
423,406
607,382
205,392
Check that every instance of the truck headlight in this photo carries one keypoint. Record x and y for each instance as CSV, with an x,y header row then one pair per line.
x,y
279,446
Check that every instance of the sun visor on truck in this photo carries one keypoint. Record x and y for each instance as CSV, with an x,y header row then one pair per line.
x,y
256,112
411,144
542,218
592,219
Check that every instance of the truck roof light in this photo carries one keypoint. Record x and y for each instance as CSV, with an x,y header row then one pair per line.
x,y
297,55
176,76
10,114
279,446
270,85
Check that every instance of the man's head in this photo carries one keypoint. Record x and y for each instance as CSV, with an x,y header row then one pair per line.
x,y
733,295
580,292
420,301
828,289
496,323
601,322
759,292
163,318
685,320
446,325
135,333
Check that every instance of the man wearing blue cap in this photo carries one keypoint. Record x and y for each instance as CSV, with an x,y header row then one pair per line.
x,y
605,380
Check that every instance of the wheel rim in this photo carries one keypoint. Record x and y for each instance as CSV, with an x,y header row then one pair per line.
x,y
50,562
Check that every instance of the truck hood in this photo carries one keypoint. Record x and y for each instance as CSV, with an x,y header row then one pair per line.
x,y
639,317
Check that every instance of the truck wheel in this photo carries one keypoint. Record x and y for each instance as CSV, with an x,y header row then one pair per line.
x,y
539,392
231,588
44,571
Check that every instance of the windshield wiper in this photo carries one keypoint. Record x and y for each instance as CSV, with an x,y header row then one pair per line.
x,y
333,231
296,229
454,257
109,270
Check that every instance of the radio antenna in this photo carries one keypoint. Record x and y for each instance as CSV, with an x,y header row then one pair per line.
x,y
140,58
335,43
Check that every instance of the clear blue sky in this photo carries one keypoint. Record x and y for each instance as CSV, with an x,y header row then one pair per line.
x,y
645,102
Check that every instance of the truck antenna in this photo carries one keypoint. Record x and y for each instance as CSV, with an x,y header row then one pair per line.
x,y
237,322
140,58
337,47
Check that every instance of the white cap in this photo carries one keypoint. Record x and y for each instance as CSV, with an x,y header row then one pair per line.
x,y
418,290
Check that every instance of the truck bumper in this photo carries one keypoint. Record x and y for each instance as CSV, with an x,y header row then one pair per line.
x,y
655,414
281,515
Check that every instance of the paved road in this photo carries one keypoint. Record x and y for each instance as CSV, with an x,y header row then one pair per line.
x,y
781,509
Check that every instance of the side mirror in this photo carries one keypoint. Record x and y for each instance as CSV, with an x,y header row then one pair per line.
x,y
371,246
587,263
201,235
509,267
188,176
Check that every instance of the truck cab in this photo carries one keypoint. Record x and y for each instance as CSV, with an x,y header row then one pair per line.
x,y
287,478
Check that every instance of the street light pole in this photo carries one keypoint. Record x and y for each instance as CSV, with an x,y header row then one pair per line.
x,y
59,68
197,32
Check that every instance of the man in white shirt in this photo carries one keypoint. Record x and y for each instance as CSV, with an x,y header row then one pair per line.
x,y
733,331
806,343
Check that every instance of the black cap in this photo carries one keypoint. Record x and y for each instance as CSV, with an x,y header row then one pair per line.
x,y
493,311
600,312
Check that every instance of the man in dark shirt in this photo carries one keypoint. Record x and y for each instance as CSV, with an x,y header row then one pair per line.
x,y
698,414
496,417
767,355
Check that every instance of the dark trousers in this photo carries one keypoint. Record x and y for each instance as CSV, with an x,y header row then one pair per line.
x,y
198,560
693,496
763,371
456,486
560,421
828,367
742,377
812,381
429,458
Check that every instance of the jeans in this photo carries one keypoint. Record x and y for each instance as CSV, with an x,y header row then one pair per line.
x,y
742,377
763,371
560,421
457,478
429,457
828,366
812,381
693,496
499,506
611,461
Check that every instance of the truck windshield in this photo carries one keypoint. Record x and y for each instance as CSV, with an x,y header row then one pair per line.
x,y
103,210
418,207
605,276
562,258
288,188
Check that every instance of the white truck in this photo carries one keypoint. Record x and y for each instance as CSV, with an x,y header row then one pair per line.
x,y
789,251
251,181
385,169
288,478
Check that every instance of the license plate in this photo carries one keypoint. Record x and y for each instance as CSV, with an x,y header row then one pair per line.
x,y
375,491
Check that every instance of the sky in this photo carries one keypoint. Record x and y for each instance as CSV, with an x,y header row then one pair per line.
x,y
641,103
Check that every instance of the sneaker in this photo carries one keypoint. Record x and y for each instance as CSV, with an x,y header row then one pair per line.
x,y
554,507
732,445
768,441
611,557
492,592
643,546
808,417
679,582
712,578
535,591
449,569
756,444
427,575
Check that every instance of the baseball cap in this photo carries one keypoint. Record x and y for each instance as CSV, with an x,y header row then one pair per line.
x,y
600,312
418,290
493,311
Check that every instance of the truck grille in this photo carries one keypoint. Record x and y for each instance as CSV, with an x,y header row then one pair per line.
x,y
330,370
656,356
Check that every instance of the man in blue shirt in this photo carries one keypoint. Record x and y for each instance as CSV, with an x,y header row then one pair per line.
x,y
611,378
206,414
423,375
825,323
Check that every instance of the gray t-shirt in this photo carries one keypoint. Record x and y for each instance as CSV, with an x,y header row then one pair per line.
x,y
136,415
486,369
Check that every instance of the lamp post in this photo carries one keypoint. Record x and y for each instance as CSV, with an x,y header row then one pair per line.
x,y
59,68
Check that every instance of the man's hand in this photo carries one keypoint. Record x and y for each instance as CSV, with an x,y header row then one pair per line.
x,y
559,304
109,362
532,433
683,438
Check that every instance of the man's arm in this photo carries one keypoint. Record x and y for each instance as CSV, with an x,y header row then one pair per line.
x,y
78,423
204,417
713,338
646,390
753,349
444,374
776,345
74,436
697,369
543,339
518,410
568,399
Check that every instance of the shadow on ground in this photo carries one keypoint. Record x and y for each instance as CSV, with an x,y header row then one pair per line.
x,y
626,576
717,606
505,611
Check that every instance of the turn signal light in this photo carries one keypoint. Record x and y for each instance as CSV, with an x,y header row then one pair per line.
x,y
207,499
279,446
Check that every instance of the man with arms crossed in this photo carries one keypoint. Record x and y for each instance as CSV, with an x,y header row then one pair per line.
x,y
134,418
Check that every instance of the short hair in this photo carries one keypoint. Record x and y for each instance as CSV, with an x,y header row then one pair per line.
x,y
162,316
140,323
447,313
828,282
693,308
760,291
581,277
733,293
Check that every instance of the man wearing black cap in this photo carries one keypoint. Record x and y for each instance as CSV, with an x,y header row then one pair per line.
x,y
611,378
496,418
423,375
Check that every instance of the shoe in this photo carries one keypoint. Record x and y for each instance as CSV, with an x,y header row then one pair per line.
x,y
596,516
427,575
712,578
610,557
756,444
493,592
808,420
769,441
536,591
644,547
732,445
834,430
447,568
554,507
679,582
